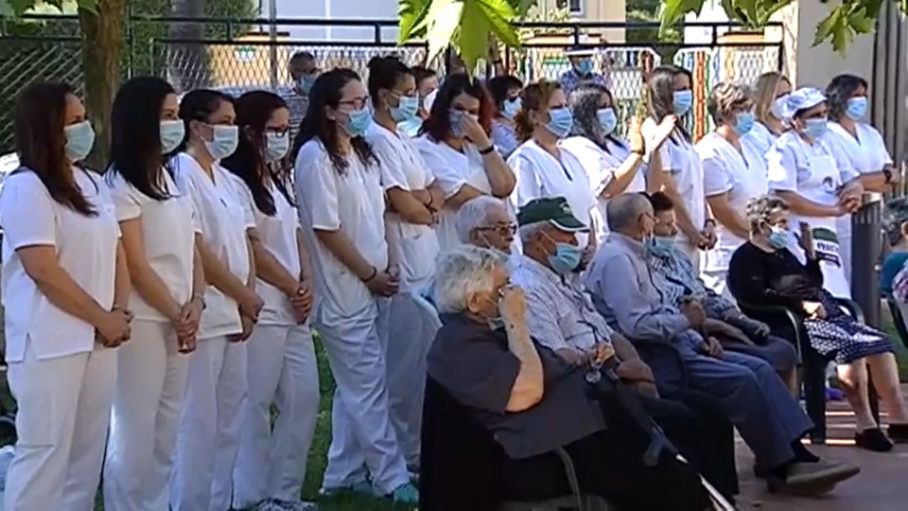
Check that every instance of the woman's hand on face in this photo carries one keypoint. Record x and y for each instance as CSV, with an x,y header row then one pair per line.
x,y
474,131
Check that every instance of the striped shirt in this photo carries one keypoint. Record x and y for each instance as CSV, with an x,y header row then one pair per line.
x,y
681,279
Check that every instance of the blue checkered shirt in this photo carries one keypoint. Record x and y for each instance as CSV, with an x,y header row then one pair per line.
x,y
560,314
681,279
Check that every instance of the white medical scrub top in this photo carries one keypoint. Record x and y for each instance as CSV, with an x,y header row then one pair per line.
x,y
741,175
681,159
600,166
811,170
761,138
278,236
540,175
453,169
223,218
402,167
86,249
352,202
168,231
866,153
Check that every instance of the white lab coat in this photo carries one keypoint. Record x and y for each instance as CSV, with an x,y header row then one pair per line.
x,y
152,371
416,247
211,419
741,175
811,170
63,381
866,154
600,166
281,371
760,138
540,174
681,159
347,315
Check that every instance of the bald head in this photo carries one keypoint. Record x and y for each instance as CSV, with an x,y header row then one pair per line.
x,y
630,214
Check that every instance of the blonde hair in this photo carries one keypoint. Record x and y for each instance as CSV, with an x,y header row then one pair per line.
x,y
535,97
765,94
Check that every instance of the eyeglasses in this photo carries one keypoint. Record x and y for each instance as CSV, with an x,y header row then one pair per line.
x,y
355,103
501,230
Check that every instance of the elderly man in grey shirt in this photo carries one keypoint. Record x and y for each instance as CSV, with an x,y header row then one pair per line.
x,y
756,400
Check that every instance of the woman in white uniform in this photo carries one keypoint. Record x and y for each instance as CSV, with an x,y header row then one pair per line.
x,y
542,168
65,291
457,149
414,200
158,228
670,94
817,183
858,142
281,364
613,165
210,423
769,96
341,207
734,171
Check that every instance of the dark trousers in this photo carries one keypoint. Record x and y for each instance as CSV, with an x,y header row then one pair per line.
x,y
610,464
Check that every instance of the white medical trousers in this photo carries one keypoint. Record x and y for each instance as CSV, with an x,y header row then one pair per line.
x,y
64,409
362,435
281,370
143,422
209,428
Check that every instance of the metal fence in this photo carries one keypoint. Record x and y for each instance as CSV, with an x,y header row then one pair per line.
x,y
250,54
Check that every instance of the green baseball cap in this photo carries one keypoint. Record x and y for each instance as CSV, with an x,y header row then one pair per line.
x,y
555,210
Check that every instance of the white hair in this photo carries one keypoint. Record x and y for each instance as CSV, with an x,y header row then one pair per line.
x,y
462,272
474,214
624,210
527,231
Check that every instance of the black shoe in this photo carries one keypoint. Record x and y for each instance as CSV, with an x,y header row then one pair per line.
x,y
873,440
898,433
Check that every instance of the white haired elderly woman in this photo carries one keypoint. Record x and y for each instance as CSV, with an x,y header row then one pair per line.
x,y
532,402
765,271
734,170
816,180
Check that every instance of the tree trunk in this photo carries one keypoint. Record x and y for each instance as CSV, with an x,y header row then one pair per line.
x,y
187,63
102,43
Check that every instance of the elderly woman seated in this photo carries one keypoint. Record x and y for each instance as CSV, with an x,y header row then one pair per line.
x,y
724,320
765,271
532,402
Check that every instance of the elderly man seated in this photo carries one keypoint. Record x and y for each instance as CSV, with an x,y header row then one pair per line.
x,y
724,320
533,402
562,318
484,221
631,298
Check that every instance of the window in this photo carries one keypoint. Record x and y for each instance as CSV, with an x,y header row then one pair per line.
x,y
573,6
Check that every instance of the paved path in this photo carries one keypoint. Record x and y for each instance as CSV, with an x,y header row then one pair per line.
x,y
882,484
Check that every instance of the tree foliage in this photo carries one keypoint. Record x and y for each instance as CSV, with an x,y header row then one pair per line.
x,y
846,19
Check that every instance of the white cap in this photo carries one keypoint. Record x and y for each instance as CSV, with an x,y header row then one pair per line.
x,y
801,99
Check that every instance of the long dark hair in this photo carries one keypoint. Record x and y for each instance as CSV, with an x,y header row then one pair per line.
x,y
839,92
662,95
135,127
326,92
38,127
384,72
438,124
584,102
198,105
253,110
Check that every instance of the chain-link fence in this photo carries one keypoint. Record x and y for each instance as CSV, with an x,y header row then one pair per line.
x,y
237,55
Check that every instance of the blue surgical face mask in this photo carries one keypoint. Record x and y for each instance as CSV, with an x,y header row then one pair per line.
x,y
561,120
566,258
306,82
223,141
172,134
607,119
510,107
80,138
660,246
682,101
744,122
276,146
406,108
815,128
856,108
584,66
778,238
358,122
778,106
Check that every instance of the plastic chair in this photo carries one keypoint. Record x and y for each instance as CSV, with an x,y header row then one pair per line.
x,y
898,318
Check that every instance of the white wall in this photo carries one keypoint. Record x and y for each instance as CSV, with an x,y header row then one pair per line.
x,y
336,9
